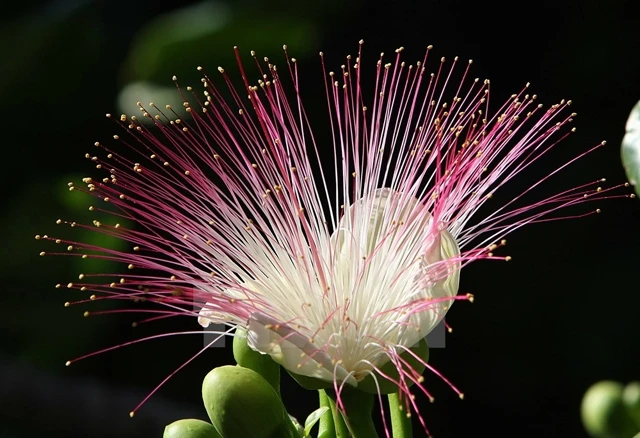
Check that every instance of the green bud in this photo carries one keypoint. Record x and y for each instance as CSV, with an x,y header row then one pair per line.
x,y
260,363
631,400
604,413
242,404
421,349
190,428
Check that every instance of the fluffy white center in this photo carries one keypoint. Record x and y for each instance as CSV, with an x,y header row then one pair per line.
x,y
390,274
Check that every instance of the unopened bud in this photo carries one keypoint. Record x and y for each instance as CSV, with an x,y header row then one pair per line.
x,y
242,404
190,428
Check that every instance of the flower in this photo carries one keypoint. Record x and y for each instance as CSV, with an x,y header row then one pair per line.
x,y
335,257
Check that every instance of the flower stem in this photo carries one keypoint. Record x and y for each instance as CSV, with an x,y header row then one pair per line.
x,y
327,428
358,419
400,423
338,427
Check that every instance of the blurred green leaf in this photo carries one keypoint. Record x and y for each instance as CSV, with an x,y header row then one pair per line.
x,y
76,208
23,315
631,147
178,42
603,412
631,399
147,92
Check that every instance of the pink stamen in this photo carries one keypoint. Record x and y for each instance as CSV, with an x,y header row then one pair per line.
x,y
230,208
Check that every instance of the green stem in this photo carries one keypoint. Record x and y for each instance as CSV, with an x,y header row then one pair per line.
x,y
338,421
358,418
326,428
400,423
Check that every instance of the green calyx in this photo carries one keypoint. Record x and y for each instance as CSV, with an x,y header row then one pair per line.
x,y
241,404
368,384
262,364
190,428
310,383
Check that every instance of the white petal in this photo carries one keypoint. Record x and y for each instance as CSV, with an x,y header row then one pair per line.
x,y
212,313
206,316
408,261
292,351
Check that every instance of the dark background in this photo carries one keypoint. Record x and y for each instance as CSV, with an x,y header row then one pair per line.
x,y
561,316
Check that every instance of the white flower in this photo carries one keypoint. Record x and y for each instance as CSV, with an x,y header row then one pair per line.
x,y
389,274
237,208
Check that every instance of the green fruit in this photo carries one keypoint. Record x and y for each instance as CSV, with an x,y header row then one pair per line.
x,y
190,428
242,404
260,363
604,413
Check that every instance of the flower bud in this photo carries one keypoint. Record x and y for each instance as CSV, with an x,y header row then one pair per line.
x,y
190,428
261,363
242,404
604,413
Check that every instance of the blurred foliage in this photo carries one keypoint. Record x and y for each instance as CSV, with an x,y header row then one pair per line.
x,y
609,410
194,32
28,334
